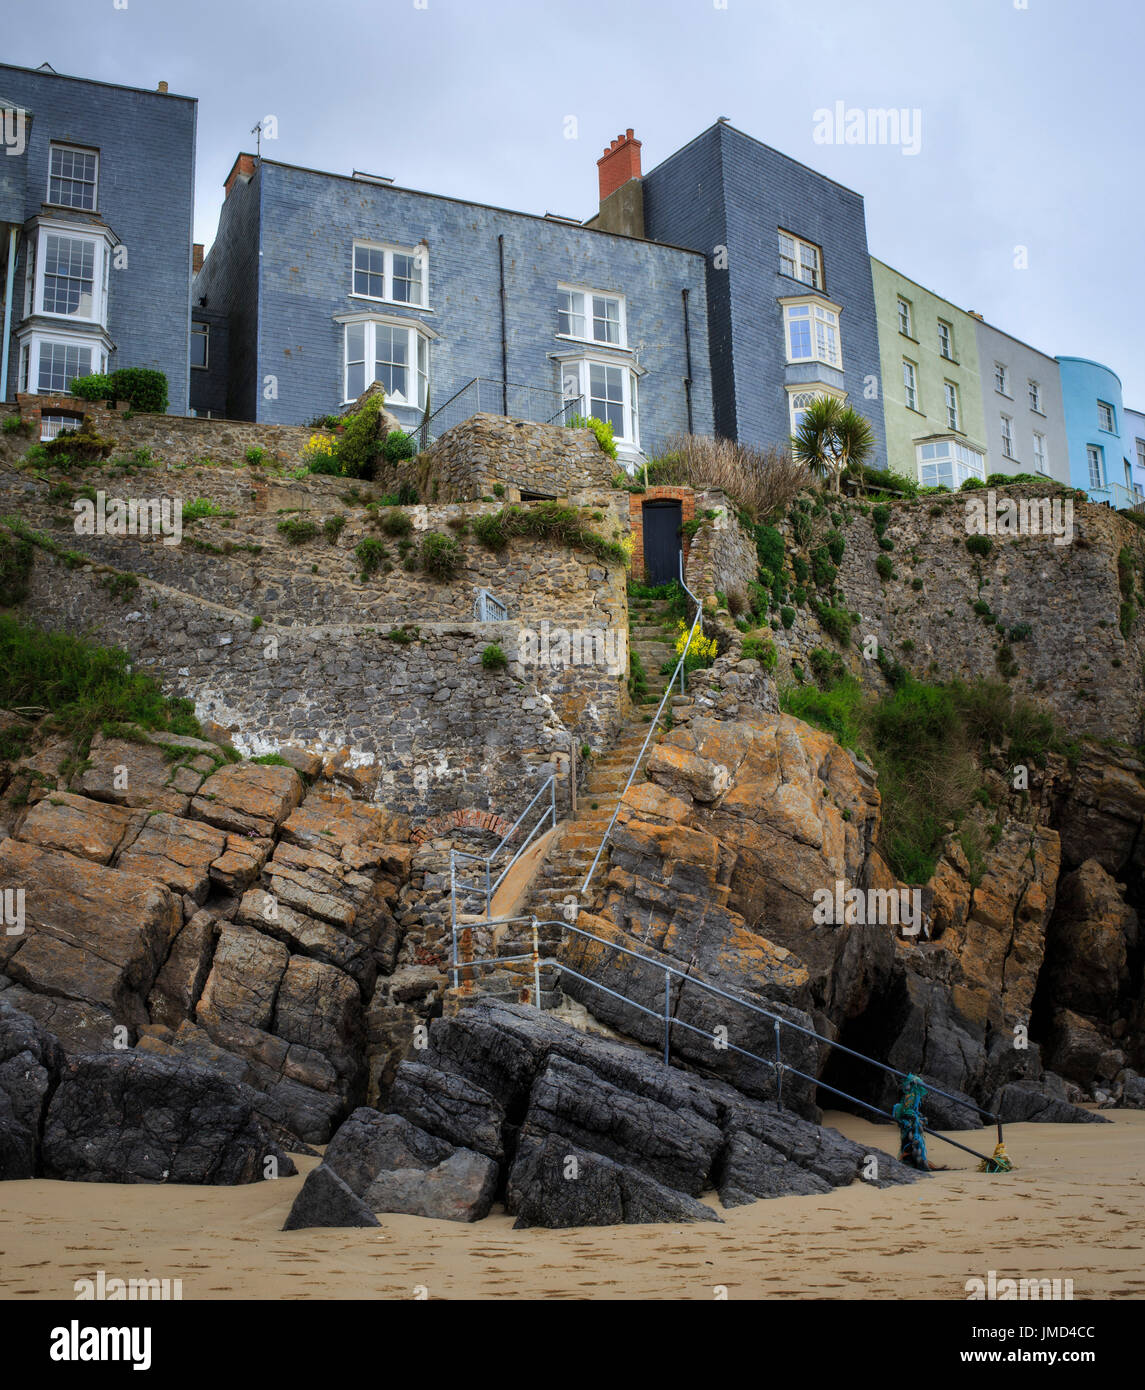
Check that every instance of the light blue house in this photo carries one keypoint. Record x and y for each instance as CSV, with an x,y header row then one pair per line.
x,y
1101,455
1133,429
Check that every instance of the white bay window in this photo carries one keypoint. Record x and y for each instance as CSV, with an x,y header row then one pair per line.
x,y
811,330
948,463
392,352
607,391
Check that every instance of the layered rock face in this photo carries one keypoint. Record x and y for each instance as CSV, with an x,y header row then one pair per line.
x,y
183,906
570,1130
1010,987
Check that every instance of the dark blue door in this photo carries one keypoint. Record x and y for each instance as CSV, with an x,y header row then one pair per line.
x,y
662,522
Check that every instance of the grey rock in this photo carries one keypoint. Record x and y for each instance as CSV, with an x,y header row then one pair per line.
x,y
555,1184
325,1200
461,1188
30,1063
370,1143
448,1106
134,1117
1023,1101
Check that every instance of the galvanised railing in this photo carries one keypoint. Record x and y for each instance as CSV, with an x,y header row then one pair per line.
x,y
515,399
776,1063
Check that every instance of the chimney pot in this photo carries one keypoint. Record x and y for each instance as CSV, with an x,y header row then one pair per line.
x,y
163,88
619,163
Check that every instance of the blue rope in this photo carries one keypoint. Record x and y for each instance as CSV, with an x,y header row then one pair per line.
x,y
908,1115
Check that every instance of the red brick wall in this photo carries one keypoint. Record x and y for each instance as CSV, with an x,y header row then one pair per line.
x,y
684,495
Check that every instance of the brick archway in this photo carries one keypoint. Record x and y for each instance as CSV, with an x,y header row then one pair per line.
x,y
636,500
469,819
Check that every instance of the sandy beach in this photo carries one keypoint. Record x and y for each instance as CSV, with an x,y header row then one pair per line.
x,y
1072,1209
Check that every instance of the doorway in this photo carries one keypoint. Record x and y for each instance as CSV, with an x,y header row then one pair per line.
x,y
662,522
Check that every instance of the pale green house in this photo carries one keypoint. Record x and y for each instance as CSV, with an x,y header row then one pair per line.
x,y
931,387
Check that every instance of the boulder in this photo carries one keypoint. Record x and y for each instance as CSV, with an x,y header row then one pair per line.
x,y
92,934
1024,1102
1077,1050
750,1169
325,1200
1088,941
449,1107
250,798
132,774
460,1188
133,1117
369,1143
245,977
77,1026
31,1060
176,852
91,830
556,1185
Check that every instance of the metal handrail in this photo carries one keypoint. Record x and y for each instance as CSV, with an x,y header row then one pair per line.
x,y
777,1064
680,671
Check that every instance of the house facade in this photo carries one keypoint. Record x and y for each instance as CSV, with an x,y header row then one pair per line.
x,y
790,298
329,283
1101,456
932,390
96,201
1023,406
1134,431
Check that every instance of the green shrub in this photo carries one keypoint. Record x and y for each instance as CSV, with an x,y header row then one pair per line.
x,y
441,556
95,387
971,485
371,554
982,608
769,550
801,568
979,545
601,428
17,555
1126,618
493,658
916,584
359,444
835,622
255,456
802,528
298,530
333,526
395,523
761,649
885,567
885,543
120,587
637,678
489,529
787,615
1020,632
398,446
404,635
15,424
551,521
822,570
836,544
198,509
880,516
826,666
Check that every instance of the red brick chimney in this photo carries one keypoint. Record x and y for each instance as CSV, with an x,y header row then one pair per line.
x,y
196,257
619,163
242,168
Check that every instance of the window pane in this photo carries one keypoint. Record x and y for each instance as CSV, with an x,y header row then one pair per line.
x,y
71,179
60,364
69,271
799,332
407,279
786,254
370,272
605,319
355,360
606,396
570,314
198,345
391,360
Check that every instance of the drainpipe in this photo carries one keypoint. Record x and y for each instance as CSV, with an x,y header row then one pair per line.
x,y
688,361
9,287
504,340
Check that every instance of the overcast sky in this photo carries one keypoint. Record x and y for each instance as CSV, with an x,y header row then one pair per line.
x,y
1031,116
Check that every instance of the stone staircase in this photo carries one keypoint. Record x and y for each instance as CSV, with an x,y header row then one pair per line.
x,y
559,879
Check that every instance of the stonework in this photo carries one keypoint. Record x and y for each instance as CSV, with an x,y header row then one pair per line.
x,y
484,451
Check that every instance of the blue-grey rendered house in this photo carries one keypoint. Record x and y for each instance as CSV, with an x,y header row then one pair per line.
x,y
791,304
96,199
331,282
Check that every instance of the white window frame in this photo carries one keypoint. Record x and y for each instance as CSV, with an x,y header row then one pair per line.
x,y
388,251
1095,455
946,342
801,264
588,316
905,317
910,383
1007,422
953,405
576,378
1035,394
1102,408
101,261
417,358
65,148
962,461
31,349
52,422
206,337
812,392
1041,453
822,319
1001,379
1140,443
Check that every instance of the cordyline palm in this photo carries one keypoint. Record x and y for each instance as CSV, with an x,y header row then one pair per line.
x,y
831,438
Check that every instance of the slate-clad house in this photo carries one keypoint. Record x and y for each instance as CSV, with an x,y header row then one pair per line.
x,y
331,282
96,195
790,301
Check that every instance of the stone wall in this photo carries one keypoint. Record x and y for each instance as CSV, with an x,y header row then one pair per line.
x,y
470,459
172,438
722,557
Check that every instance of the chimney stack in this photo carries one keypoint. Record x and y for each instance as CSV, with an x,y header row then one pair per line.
x,y
242,168
196,257
162,89
619,163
